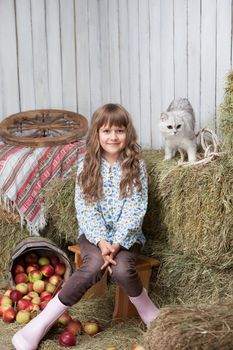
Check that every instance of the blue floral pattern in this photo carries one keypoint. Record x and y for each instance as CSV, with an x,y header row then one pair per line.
x,y
114,219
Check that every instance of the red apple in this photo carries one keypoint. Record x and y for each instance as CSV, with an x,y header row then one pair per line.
x,y
39,286
9,315
75,327
33,294
43,261
15,295
137,347
53,260
22,288
6,301
50,288
55,279
44,294
47,270
22,304
23,317
21,277
30,286
47,297
31,258
64,319
35,275
43,304
60,269
36,300
91,327
17,269
3,308
29,307
32,267
67,339
35,310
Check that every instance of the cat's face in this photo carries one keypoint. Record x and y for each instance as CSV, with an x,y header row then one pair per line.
x,y
171,124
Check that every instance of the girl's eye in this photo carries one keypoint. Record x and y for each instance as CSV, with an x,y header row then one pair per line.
x,y
169,126
105,131
120,131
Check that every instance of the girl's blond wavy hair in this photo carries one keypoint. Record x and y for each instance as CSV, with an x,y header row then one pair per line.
x,y
90,179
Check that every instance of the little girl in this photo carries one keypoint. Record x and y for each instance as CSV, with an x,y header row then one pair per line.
x,y
111,201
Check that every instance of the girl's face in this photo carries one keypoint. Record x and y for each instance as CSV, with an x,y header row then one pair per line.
x,y
112,141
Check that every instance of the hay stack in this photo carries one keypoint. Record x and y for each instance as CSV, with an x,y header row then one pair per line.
x,y
226,114
198,212
60,209
183,280
192,328
10,235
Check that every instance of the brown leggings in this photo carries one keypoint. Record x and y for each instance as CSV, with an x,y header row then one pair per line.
x,y
124,273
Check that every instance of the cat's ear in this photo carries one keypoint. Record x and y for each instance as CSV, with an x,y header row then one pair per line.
x,y
163,117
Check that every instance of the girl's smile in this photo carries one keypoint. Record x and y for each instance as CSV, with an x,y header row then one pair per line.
x,y
112,141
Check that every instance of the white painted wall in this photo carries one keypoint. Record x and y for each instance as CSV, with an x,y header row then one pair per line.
x,y
79,54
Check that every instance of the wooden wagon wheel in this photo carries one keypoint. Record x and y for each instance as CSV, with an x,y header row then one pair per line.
x,y
43,127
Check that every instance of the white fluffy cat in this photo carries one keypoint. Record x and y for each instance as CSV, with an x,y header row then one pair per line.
x,y
177,125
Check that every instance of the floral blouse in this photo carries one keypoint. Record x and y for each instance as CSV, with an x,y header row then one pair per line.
x,y
114,219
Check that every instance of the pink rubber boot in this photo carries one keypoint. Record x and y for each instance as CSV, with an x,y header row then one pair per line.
x,y
29,336
145,307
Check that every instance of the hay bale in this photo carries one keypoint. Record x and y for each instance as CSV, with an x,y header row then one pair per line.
x,y
10,234
198,212
184,280
153,225
192,328
226,114
9,217
60,210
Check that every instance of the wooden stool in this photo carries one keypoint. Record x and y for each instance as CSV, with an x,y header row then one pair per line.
x,y
123,307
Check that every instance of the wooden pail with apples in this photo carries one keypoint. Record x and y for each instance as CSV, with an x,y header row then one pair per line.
x,y
39,259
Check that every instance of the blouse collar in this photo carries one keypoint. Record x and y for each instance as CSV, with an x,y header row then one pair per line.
x,y
108,167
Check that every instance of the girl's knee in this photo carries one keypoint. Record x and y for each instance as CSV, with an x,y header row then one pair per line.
x,y
93,262
122,271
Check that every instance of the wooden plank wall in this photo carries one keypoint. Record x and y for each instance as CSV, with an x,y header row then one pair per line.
x,y
79,54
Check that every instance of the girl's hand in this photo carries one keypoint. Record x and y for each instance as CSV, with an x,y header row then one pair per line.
x,y
116,248
108,261
105,247
109,258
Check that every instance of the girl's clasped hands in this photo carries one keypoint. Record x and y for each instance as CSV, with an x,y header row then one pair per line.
x,y
109,251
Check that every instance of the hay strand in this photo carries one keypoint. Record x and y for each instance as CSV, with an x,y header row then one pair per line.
x,y
226,114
